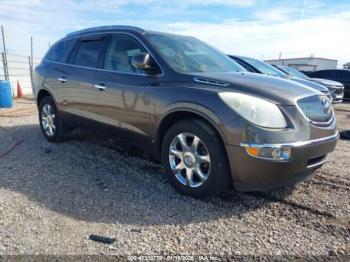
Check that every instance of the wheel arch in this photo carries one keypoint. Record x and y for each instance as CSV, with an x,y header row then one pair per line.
x,y
183,114
176,115
41,95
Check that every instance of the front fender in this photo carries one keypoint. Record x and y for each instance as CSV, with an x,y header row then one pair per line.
x,y
217,121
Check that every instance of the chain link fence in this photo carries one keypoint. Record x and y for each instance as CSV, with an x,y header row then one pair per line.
x,y
18,68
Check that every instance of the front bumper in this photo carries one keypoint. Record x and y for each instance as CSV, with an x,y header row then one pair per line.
x,y
250,173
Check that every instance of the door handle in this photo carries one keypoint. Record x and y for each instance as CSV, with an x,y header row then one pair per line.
x,y
62,79
100,87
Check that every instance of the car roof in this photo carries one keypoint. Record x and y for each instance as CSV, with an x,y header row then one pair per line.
x,y
112,28
102,29
326,70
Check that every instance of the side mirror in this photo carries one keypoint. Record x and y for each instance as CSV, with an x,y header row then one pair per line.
x,y
141,61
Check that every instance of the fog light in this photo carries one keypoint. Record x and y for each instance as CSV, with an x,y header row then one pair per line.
x,y
272,153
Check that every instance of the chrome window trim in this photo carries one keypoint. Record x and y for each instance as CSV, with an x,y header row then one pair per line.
x,y
106,70
100,69
295,144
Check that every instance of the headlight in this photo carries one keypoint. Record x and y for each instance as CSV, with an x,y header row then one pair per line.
x,y
255,110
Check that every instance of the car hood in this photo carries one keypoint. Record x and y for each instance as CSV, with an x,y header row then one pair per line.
x,y
311,84
274,89
326,82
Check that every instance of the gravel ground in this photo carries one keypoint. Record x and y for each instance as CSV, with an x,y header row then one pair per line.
x,y
53,196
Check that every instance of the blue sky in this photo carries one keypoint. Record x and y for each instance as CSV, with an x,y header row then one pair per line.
x,y
258,28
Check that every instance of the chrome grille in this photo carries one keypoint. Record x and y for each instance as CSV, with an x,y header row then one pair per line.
x,y
339,91
318,109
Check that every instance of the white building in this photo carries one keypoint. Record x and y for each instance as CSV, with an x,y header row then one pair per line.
x,y
306,63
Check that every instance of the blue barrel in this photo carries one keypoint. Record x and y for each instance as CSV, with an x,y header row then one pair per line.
x,y
6,100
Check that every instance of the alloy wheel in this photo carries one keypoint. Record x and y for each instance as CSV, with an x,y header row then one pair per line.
x,y
189,159
48,120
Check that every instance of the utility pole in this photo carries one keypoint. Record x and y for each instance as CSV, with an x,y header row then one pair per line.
x,y
3,64
4,56
3,39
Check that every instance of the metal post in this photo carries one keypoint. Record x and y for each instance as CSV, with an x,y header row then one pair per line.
x,y
31,50
3,64
3,38
4,56
31,70
31,61
6,73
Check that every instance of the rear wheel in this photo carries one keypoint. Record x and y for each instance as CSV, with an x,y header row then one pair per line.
x,y
194,159
50,122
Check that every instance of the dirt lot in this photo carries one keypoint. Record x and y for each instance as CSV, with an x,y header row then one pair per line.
x,y
53,196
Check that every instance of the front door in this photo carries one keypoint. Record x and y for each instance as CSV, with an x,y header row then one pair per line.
x,y
121,100
77,77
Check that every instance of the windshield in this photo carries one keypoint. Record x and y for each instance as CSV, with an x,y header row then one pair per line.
x,y
293,72
190,55
264,67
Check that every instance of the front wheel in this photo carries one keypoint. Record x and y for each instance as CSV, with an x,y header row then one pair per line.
x,y
50,122
194,159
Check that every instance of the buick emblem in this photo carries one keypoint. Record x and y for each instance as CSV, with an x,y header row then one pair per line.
x,y
326,105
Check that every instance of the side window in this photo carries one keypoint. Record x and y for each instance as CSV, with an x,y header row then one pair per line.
x,y
59,51
288,70
326,74
339,74
245,65
87,53
119,53
321,74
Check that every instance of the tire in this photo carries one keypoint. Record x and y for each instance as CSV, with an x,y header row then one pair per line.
x,y
58,132
212,175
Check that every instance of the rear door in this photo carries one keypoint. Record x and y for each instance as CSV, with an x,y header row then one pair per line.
x,y
54,63
77,78
121,99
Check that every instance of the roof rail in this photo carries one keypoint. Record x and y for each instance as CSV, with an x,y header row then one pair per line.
x,y
101,28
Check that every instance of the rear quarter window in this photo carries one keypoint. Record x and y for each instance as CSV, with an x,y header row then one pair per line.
x,y
59,51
